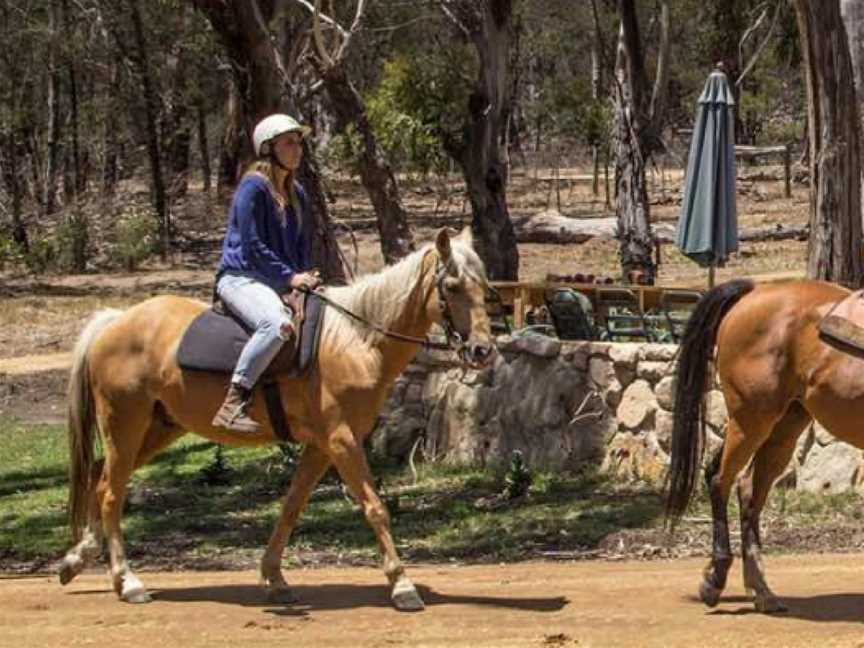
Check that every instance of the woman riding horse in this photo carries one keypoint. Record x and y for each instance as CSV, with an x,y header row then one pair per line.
x,y
126,386
265,254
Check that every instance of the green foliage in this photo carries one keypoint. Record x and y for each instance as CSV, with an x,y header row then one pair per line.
x,y
518,479
136,237
41,256
9,252
73,242
418,103
217,472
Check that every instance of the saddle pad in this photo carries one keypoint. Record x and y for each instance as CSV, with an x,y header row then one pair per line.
x,y
213,342
843,326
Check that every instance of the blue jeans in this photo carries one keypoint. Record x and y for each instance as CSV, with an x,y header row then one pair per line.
x,y
262,310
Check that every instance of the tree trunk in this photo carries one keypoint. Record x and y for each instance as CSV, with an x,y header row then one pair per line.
x,y
75,174
150,103
53,110
203,145
479,151
832,119
638,123
110,144
231,145
179,129
853,19
397,240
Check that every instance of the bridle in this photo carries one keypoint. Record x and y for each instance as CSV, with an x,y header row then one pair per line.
x,y
454,339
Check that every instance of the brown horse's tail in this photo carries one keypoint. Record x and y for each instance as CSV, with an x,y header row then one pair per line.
x,y
694,356
81,420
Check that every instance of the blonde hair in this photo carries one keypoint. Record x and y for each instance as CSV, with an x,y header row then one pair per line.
x,y
264,168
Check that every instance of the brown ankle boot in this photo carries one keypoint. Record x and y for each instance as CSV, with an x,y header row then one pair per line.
x,y
232,415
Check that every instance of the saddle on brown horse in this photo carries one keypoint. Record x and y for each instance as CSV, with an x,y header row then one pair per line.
x,y
843,325
214,340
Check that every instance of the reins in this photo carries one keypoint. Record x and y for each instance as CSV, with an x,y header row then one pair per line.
x,y
425,341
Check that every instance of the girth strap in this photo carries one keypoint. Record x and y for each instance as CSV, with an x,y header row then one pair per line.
x,y
273,399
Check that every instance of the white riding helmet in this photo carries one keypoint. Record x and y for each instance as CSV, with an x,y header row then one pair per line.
x,y
274,126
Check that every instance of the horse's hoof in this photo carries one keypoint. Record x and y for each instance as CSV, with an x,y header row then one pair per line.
x,y
769,605
709,594
136,595
281,595
68,571
405,597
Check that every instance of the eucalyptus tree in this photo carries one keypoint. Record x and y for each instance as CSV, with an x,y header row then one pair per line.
x,y
331,64
477,144
834,252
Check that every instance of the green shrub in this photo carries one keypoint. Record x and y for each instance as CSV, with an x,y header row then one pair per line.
x,y
42,255
136,237
73,242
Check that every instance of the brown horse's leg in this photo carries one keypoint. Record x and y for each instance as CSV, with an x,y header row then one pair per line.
x,y
124,424
770,462
347,455
311,467
738,448
90,546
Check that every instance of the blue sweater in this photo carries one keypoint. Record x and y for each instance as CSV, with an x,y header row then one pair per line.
x,y
257,244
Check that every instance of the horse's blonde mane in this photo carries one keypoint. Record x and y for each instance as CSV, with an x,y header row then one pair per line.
x,y
380,297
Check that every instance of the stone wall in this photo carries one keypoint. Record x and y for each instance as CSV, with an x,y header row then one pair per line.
x,y
565,404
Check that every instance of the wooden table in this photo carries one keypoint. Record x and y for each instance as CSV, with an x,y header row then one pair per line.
x,y
523,296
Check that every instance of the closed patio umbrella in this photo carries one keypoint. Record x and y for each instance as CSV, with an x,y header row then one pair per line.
x,y
708,226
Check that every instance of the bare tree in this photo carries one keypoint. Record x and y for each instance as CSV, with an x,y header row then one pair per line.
x,y
346,103
141,59
487,24
638,124
832,119
54,117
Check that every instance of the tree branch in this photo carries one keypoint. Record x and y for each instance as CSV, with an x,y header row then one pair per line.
x,y
327,19
355,27
661,80
461,26
762,45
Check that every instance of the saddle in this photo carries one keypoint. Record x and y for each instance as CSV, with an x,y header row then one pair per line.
x,y
214,340
843,325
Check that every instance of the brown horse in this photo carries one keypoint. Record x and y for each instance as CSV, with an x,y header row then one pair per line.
x,y
777,375
126,382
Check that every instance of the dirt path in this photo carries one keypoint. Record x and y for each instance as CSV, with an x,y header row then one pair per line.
x,y
528,604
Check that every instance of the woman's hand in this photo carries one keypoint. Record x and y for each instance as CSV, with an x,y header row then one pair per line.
x,y
305,280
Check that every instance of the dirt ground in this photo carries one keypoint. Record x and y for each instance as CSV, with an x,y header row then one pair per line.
x,y
529,604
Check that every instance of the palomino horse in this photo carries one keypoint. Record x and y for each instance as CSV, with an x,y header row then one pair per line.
x,y
126,382
777,376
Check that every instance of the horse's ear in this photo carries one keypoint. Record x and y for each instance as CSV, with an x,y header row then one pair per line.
x,y
466,236
442,244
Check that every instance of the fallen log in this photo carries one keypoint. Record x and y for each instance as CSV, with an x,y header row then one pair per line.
x,y
550,226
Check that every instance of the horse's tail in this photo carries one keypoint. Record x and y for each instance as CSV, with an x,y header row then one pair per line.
x,y
81,421
695,354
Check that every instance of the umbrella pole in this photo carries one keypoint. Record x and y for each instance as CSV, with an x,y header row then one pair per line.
x,y
710,276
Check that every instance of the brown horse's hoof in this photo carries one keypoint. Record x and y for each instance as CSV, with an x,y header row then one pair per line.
x,y
709,594
769,605
405,597
137,595
68,571
281,595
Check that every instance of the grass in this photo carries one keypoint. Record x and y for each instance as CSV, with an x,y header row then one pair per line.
x,y
450,513
178,517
